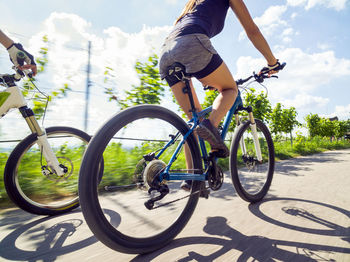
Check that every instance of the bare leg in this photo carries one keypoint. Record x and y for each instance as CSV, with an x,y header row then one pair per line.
x,y
222,80
185,104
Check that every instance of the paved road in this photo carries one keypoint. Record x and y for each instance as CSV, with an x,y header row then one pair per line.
x,y
305,217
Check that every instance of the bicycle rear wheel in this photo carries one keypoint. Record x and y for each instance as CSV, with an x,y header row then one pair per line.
x,y
251,177
33,191
126,143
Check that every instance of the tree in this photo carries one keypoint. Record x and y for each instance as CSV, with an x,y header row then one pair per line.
x,y
151,87
261,105
276,119
342,129
283,120
313,123
289,121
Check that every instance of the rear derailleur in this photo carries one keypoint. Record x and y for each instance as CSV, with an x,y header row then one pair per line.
x,y
162,189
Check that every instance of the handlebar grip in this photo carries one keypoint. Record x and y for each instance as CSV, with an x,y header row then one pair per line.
x,y
20,58
281,66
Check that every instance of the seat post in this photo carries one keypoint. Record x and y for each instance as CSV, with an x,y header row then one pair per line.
x,y
176,72
187,90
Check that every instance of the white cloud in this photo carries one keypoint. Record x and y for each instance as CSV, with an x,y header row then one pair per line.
x,y
308,4
68,36
272,15
306,102
323,46
273,24
299,82
270,21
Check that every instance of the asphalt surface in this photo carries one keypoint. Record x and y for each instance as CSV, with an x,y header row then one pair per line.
x,y
305,217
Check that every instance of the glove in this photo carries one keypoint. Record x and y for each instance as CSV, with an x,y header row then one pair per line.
x,y
18,56
276,67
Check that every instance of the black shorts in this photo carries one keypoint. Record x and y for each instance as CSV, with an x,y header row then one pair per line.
x,y
194,51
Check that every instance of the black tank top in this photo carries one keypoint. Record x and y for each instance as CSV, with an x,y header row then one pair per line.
x,y
208,17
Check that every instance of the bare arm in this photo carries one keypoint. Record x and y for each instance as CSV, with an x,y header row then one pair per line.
x,y
5,40
13,50
252,30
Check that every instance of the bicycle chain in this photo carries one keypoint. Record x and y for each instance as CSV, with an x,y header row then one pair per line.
x,y
181,198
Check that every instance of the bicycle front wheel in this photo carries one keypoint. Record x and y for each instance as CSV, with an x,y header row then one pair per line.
x,y
30,183
133,146
252,176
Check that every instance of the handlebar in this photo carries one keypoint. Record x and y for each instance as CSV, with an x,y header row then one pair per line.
x,y
10,79
260,76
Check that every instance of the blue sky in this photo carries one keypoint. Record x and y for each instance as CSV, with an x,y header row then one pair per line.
x,y
312,36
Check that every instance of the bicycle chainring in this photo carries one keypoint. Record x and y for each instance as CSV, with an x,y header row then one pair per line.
x,y
215,177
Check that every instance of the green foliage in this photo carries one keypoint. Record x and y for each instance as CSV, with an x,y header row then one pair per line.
x,y
151,87
210,96
283,120
261,105
313,124
3,159
323,127
120,163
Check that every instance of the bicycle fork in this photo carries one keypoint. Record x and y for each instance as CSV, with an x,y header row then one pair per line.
x,y
254,135
42,141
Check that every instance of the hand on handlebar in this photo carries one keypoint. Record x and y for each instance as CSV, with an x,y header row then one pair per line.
x,y
18,56
272,69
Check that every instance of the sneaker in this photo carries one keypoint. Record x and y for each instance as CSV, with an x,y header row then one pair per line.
x,y
209,133
186,185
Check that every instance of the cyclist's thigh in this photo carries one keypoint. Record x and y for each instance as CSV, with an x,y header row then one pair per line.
x,y
221,78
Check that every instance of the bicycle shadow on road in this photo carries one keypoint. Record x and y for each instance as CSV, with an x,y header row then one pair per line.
x,y
47,243
250,247
297,211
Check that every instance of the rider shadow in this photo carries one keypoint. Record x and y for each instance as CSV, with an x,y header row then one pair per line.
x,y
13,218
255,248
48,243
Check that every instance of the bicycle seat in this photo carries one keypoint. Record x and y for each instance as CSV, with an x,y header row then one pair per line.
x,y
177,71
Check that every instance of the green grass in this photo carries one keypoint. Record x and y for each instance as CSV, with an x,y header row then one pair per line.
x,y
118,157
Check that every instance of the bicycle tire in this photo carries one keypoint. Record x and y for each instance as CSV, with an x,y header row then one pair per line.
x,y
250,185
24,194
91,204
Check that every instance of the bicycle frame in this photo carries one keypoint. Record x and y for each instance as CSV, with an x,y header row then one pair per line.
x,y
195,121
12,97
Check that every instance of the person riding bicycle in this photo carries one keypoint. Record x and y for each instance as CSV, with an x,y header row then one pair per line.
x,y
189,44
13,49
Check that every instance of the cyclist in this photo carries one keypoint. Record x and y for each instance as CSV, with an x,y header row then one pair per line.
x,y
13,49
189,44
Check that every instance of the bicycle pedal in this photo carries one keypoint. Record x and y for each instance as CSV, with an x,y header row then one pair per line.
x,y
204,193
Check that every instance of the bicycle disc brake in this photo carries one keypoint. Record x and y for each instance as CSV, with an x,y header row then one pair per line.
x,y
67,169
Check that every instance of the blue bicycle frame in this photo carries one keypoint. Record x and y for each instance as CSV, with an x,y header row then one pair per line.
x,y
195,121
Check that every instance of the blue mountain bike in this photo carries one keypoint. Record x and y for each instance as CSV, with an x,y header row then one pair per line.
x,y
144,165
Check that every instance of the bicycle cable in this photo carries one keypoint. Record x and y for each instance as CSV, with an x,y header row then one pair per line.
x,y
47,97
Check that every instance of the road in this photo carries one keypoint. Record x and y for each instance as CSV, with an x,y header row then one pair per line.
x,y
305,217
